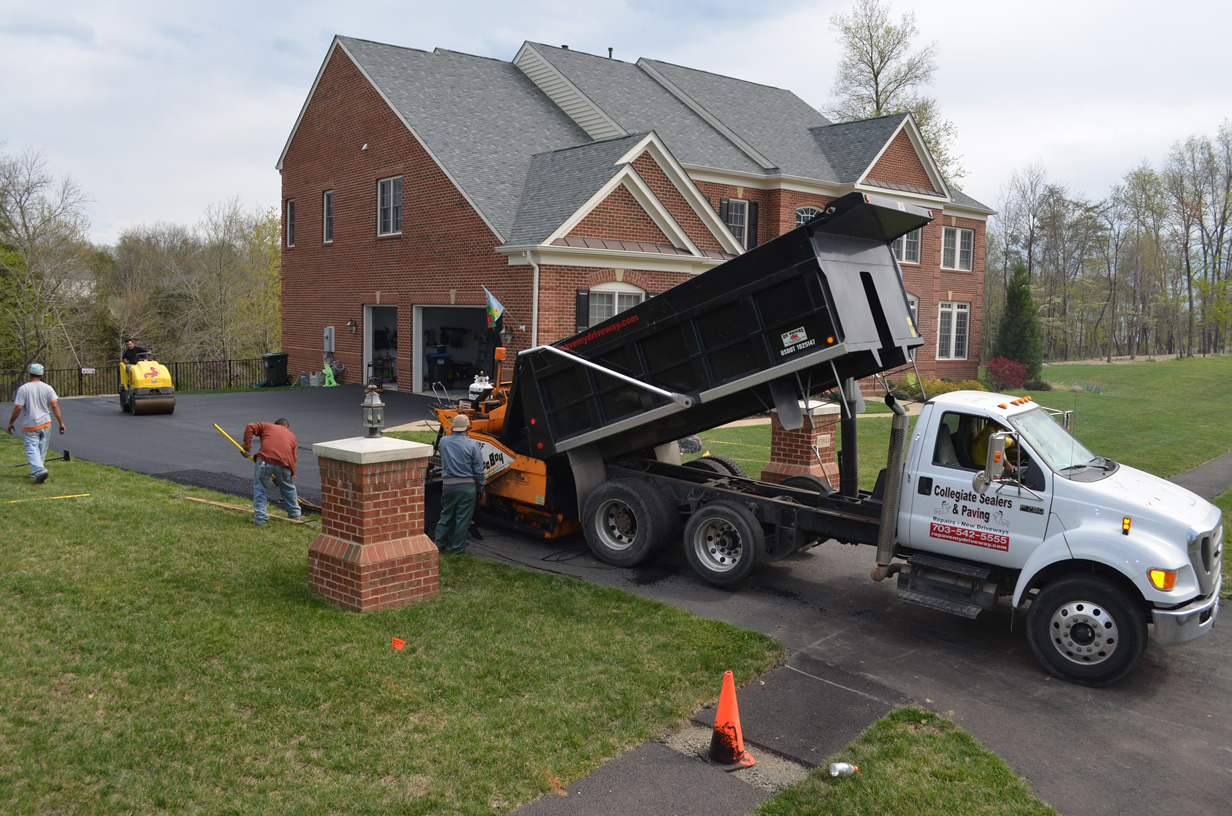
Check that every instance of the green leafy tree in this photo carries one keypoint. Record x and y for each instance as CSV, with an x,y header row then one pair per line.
x,y
880,74
1019,336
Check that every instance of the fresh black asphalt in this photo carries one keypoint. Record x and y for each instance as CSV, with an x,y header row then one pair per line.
x,y
184,446
1164,734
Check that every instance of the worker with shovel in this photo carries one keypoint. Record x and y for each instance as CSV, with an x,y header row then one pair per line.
x,y
275,459
36,401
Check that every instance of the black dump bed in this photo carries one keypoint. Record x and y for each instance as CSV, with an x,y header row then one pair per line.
x,y
792,317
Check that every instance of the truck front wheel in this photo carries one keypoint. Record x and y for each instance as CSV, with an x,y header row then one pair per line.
x,y
1086,631
723,542
625,522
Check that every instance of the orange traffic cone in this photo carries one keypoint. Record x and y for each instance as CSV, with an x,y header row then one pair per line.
x,y
727,743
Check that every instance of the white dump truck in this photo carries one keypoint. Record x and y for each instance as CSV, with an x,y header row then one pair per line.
x,y
993,499
1102,552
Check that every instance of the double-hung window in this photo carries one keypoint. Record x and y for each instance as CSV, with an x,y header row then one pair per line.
x,y
913,304
957,249
327,215
389,206
290,222
804,214
907,247
953,320
740,216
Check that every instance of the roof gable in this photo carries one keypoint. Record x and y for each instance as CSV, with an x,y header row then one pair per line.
x,y
904,163
566,186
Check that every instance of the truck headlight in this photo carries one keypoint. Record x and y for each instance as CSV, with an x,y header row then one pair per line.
x,y
1163,579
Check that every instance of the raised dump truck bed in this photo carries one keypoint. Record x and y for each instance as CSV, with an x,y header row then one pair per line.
x,y
795,316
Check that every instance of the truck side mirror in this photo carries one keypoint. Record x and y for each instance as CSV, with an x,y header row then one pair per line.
x,y
994,463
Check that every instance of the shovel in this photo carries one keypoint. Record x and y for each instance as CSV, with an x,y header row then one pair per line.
x,y
305,504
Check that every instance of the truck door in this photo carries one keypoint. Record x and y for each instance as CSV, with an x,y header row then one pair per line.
x,y
1001,526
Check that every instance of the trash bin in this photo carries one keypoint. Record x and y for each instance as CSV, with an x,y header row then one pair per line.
x,y
275,367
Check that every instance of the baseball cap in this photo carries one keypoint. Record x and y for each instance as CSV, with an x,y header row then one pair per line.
x,y
36,369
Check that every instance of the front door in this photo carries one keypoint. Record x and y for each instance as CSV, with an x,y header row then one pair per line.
x,y
1000,526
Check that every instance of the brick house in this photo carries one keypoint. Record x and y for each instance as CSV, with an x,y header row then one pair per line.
x,y
570,186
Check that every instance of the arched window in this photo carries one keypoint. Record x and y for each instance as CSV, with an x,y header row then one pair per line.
x,y
608,299
805,213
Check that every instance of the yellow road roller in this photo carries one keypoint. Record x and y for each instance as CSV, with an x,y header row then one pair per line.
x,y
145,387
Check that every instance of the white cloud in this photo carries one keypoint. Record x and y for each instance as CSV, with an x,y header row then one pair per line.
x,y
159,110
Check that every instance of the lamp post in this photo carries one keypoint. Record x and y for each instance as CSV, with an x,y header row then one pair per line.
x,y
373,409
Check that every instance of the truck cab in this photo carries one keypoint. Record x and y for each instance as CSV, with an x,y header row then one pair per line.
x,y
1101,550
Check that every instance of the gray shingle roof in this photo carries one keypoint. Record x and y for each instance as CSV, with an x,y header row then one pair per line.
x,y
775,122
852,146
638,104
561,181
526,166
482,118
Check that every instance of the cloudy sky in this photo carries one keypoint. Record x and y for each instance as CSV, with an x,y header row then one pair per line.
x,y
159,109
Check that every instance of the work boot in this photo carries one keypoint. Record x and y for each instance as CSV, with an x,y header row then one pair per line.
x,y
42,477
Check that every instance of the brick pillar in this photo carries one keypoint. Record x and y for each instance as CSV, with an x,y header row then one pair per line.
x,y
372,552
792,452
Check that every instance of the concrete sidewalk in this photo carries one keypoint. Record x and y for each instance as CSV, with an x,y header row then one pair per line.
x,y
792,719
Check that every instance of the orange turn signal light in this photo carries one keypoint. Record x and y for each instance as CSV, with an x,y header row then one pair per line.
x,y
1163,579
1125,522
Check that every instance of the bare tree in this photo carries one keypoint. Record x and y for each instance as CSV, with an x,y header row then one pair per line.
x,y
879,74
43,273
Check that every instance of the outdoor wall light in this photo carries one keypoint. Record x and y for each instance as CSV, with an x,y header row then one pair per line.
x,y
352,326
373,409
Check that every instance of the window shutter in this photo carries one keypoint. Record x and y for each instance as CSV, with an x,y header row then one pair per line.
x,y
582,309
752,237
723,210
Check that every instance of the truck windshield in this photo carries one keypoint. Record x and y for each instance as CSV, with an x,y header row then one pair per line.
x,y
1052,443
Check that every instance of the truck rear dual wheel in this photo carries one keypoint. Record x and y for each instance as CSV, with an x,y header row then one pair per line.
x,y
1086,631
718,464
723,542
626,521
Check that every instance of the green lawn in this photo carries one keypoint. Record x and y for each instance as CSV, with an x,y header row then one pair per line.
x,y
912,762
158,654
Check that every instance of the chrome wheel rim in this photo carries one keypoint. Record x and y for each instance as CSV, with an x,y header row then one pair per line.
x,y
1083,632
616,525
717,545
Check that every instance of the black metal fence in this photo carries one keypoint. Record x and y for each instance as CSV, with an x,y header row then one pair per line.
x,y
210,375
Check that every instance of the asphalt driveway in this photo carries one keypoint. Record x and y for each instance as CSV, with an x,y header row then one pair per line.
x,y
184,446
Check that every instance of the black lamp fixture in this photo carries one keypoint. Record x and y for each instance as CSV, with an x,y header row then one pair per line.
x,y
373,409
506,335
352,326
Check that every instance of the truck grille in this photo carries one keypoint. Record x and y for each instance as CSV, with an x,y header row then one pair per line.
x,y
1206,556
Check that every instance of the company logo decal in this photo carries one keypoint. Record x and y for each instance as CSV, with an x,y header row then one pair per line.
x,y
494,459
966,517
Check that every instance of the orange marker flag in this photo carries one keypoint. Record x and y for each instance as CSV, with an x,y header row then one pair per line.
x,y
398,643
